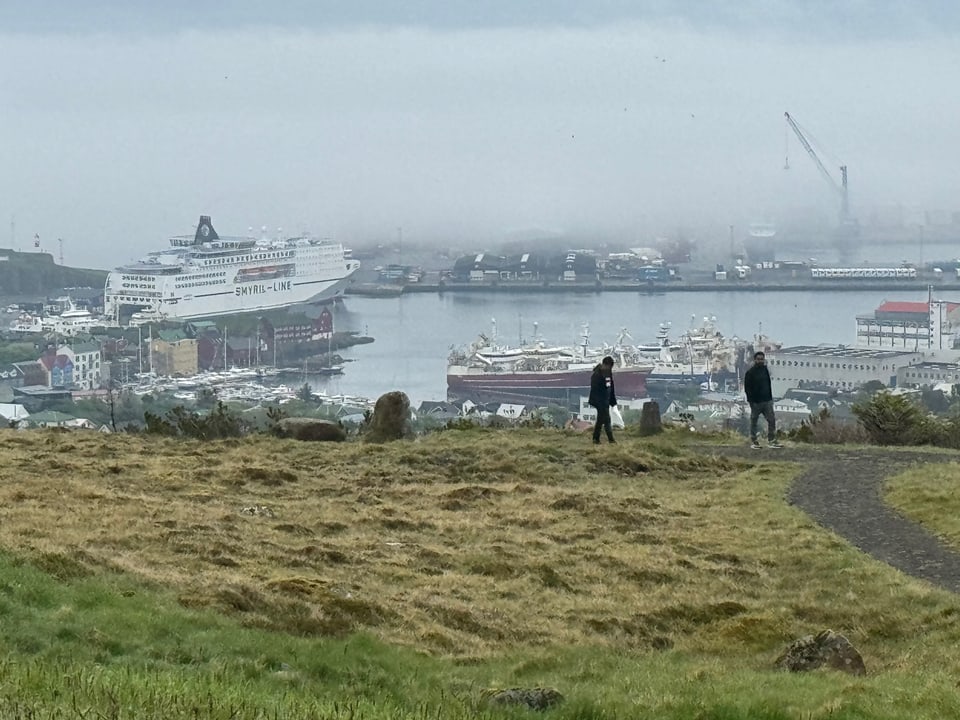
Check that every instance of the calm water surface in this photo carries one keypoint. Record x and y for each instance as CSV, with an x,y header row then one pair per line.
x,y
414,333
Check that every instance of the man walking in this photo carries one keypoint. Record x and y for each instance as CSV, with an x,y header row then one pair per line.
x,y
602,397
756,384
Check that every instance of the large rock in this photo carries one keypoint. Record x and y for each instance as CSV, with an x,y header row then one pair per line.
x,y
828,649
391,418
299,428
537,698
650,418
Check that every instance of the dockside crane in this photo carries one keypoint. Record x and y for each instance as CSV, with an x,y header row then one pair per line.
x,y
846,222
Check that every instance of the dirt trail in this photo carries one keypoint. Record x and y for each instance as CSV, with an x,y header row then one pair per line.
x,y
840,489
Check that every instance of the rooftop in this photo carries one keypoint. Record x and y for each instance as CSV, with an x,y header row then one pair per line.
x,y
838,351
910,307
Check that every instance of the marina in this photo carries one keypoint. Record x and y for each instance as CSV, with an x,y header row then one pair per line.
x,y
406,358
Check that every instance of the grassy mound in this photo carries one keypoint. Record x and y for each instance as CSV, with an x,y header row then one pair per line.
x,y
264,577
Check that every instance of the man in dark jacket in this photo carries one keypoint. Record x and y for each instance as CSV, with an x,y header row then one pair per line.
x,y
602,397
756,385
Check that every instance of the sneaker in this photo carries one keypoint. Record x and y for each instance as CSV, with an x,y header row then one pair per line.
x,y
774,444
756,446
596,442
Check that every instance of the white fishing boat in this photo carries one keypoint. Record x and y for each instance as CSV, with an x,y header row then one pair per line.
x,y
535,372
27,323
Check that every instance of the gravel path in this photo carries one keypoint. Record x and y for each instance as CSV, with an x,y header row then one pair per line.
x,y
840,489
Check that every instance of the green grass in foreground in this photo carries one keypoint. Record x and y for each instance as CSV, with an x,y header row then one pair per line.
x,y
930,495
111,645
104,647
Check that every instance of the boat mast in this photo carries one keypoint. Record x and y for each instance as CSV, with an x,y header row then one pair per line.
x,y
258,343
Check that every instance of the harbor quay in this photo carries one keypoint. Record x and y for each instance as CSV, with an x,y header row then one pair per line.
x,y
520,286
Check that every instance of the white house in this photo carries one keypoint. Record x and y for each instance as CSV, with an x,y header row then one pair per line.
x,y
589,413
13,412
511,411
791,412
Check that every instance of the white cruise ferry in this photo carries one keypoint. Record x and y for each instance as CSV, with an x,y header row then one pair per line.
x,y
207,275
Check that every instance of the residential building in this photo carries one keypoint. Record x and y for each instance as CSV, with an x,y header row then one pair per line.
x,y
173,354
589,413
439,410
13,413
76,366
58,369
32,373
10,376
87,374
790,413
39,397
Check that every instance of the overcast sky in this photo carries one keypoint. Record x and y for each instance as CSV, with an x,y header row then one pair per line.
x,y
463,122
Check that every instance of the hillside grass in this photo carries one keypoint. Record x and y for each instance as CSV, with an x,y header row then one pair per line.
x,y
643,579
930,495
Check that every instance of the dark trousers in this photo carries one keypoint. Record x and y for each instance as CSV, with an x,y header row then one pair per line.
x,y
603,421
765,409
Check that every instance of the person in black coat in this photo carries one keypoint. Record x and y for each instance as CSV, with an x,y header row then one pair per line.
x,y
603,397
756,385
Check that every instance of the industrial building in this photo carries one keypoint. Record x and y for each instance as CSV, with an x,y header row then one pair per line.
x,y
485,267
835,366
929,374
909,326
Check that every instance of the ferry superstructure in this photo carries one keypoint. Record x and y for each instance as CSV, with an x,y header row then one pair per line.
x,y
207,275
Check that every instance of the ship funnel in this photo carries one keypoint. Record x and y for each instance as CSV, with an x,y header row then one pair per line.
x,y
205,231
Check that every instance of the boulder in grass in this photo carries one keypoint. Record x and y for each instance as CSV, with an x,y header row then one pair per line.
x,y
391,418
827,648
650,423
537,698
310,429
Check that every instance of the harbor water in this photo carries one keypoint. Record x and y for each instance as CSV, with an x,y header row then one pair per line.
x,y
413,334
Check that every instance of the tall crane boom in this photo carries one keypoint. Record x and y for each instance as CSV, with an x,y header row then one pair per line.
x,y
841,188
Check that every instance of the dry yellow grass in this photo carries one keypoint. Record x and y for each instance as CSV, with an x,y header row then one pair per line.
x,y
464,543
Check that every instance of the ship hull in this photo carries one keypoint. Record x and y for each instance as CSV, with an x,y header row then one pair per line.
x,y
243,298
562,387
